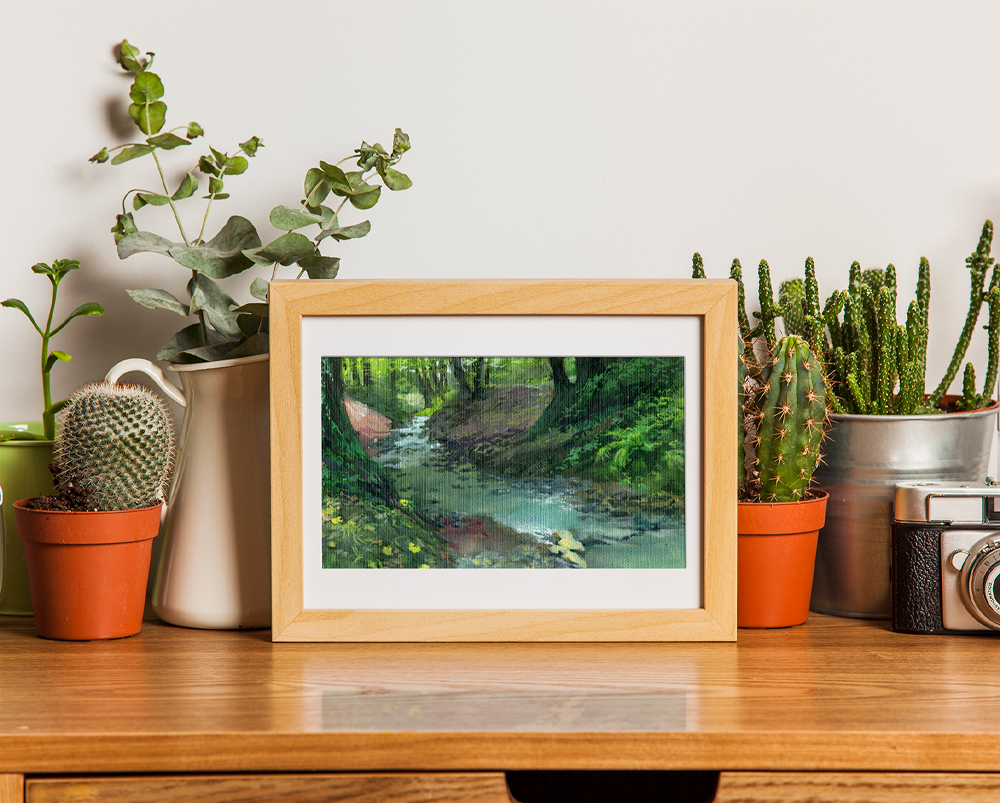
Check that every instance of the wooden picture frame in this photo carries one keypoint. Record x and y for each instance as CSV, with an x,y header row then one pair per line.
x,y
712,306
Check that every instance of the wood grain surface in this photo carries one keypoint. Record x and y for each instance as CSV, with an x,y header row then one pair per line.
x,y
833,694
347,788
857,787
11,788
713,302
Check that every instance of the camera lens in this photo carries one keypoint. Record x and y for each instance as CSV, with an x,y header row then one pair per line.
x,y
981,583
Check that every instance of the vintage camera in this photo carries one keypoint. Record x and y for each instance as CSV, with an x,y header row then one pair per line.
x,y
946,557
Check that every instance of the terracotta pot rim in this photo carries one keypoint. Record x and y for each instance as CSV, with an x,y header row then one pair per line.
x,y
820,496
89,527
767,519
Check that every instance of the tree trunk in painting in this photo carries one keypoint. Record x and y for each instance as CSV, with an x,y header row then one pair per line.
x,y
465,394
562,398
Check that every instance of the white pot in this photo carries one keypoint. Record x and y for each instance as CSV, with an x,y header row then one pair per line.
x,y
215,565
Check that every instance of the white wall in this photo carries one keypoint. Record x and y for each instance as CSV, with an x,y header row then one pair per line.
x,y
550,139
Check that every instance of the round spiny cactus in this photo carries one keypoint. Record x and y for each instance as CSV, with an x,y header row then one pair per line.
x,y
115,445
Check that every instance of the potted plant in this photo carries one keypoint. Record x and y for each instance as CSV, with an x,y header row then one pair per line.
x,y
88,547
26,447
781,421
885,427
214,571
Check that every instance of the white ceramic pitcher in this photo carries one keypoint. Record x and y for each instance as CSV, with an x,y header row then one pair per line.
x,y
215,565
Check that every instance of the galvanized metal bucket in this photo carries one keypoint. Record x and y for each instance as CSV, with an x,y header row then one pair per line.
x,y
864,458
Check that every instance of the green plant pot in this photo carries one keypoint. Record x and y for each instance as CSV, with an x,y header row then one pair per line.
x,y
24,473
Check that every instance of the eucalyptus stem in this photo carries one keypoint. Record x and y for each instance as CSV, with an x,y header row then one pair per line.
x,y
170,201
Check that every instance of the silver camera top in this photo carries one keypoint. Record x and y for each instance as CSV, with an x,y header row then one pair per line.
x,y
948,502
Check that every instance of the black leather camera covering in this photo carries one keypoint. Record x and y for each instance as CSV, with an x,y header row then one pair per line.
x,y
916,579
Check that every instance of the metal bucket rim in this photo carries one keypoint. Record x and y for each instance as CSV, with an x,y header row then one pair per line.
x,y
993,408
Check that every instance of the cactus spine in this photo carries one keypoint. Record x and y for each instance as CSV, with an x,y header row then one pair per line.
x,y
115,446
791,414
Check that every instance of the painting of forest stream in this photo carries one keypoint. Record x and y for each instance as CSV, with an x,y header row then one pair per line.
x,y
503,462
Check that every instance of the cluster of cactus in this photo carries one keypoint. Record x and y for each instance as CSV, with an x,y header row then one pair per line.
x,y
114,447
782,411
878,366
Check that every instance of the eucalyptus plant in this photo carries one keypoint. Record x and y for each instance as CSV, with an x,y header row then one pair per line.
x,y
225,329
55,274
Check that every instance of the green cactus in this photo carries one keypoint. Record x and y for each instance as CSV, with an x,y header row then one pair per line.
x,y
790,421
115,446
792,300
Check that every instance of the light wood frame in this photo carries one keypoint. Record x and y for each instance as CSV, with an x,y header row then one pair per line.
x,y
712,301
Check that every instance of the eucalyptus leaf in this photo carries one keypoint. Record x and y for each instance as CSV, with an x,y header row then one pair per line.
x,y
395,180
223,255
206,165
366,200
288,219
250,325
159,299
251,145
317,186
339,183
258,289
234,166
215,185
143,242
251,347
216,303
187,188
167,141
130,153
124,226
91,309
209,353
288,248
129,59
260,310
100,157
187,339
354,232
152,199
400,143
149,118
320,267
194,131
254,255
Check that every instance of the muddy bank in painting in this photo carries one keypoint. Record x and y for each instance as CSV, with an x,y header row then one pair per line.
x,y
503,463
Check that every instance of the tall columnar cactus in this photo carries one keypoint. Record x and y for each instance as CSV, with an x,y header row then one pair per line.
x,y
115,446
790,412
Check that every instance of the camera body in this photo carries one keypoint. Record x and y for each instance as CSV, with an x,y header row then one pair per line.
x,y
946,558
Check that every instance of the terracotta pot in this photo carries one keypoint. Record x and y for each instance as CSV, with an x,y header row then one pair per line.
x,y
87,571
776,553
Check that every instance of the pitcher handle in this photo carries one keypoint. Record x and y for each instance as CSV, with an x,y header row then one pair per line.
x,y
150,370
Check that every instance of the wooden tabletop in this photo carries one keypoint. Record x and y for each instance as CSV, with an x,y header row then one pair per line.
x,y
833,694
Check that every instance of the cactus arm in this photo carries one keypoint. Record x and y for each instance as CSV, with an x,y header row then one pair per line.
x,y
969,396
736,274
890,282
791,299
993,345
978,263
697,267
769,311
923,291
885,378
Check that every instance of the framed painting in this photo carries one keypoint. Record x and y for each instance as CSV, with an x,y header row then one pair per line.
x,y
441,470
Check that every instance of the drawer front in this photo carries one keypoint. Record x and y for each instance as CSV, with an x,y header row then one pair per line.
x,y
319,788
857,787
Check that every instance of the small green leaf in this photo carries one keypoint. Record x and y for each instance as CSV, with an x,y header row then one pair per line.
x,y
194,131
251,145
215,185
366,200
100,157
220,158
187,188
317,186
235,165
253,254
130,153
206,165
129,59
146,88
90,309
58,268
54,357
320,267
124,225
150,198
258,289
219,196
400,143
260,310
395,180
157,116
288,219
250,324
16,303
340,184
159,299
167,141
288,248
138,202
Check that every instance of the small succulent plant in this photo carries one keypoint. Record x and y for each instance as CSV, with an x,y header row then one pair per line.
x,y
782,413
55,273
115,447
878,365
